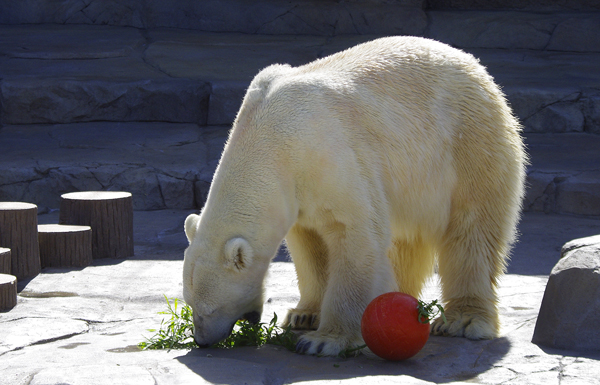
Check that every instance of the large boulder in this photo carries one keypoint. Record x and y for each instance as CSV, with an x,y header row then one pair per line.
x,y
569,317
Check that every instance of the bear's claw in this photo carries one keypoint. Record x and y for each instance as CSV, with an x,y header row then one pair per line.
x,y
302,346
302,319
320,347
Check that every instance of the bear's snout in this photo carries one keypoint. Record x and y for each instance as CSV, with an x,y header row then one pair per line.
x,y
202,346
207,337
253,317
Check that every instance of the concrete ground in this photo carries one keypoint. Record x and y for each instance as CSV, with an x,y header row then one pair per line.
x,y
82,326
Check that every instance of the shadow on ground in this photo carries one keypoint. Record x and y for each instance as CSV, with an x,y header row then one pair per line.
x,y
442,360
570,353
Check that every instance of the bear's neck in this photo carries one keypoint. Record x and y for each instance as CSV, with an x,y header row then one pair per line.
x,y
256,203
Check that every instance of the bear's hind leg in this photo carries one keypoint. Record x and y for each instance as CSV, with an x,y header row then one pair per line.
x,y
309,254
472,259
413,263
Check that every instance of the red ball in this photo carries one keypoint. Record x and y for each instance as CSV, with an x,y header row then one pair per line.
x,y
391,329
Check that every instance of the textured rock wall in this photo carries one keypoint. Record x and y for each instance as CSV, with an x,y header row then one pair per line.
x,y
546,5
325,17
572,26
106,79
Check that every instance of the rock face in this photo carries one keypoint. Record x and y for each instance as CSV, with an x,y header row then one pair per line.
x,y
538,5
246,16
569,317
138,95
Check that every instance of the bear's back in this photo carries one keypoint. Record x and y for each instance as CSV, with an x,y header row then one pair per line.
x,y
399,55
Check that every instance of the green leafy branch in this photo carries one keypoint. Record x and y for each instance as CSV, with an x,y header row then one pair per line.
x,y
178,332
175,333
247,334
429,311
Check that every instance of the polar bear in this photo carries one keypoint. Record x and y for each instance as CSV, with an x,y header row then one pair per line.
x,y
374,164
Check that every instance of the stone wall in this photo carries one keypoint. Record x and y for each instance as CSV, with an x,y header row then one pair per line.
x,y
568,25
537,5
316,17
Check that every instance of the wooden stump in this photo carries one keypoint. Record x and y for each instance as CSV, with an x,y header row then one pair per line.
x,y
65,245
8,292
5,261
108,213
18,232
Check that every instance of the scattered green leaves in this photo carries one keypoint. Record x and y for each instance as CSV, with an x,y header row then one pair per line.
x,y
429,311
178,332
351,352
247,334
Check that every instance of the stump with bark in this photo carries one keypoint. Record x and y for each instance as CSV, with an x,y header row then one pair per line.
x,y
65,245
18,232
108,213
5,261
8,292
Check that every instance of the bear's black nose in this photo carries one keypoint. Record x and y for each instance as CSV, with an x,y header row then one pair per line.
x,y
202,346
253,317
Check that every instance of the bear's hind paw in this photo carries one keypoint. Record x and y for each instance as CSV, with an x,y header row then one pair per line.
x,y
473,325
302,320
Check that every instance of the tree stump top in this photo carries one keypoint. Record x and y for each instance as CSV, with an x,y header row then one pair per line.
x,y
16,206
96,195
7,278
62,228
4,250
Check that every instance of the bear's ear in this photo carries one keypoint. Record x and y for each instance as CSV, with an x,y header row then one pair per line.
x,y
191,225
238,254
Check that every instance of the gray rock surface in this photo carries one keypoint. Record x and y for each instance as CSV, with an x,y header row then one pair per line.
x,y
579,243
168,165
566,25
81,326
517,30
535,5
80,73
562,180
246,16
98,86
569,316
164,165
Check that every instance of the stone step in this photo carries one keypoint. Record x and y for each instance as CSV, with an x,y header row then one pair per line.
x,y
83,73
535,21
164,165
544,31
306,17
170,165
523,5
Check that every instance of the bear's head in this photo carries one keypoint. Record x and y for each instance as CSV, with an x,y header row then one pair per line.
x,y
222,282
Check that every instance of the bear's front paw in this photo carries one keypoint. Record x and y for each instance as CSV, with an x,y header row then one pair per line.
x,y
324,344
472,323
302,319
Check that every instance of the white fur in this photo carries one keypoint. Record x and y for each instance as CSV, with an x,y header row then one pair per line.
x,y
373,163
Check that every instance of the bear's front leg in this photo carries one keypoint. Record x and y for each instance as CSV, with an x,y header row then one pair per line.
x,y
309,253
338,330
357,273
